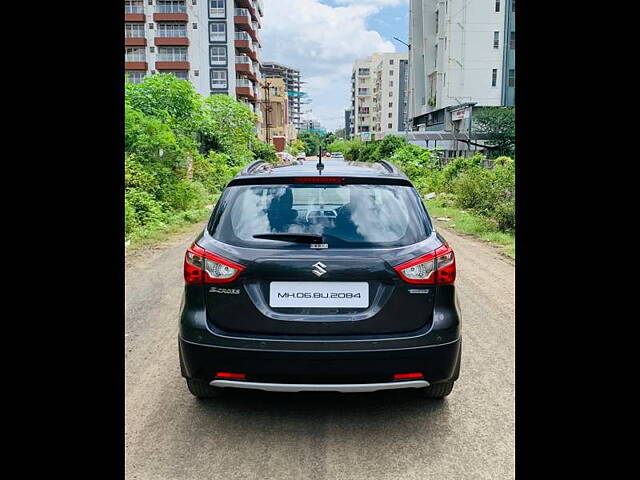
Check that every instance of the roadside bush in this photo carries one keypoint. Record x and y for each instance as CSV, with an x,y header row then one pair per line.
x,y
147,209
505,216
181,150
264,151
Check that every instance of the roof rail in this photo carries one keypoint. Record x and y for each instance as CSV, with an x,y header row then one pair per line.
x,y
253,166
391,168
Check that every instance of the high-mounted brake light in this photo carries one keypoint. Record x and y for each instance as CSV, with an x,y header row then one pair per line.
x,y
434,268
202,267
318,179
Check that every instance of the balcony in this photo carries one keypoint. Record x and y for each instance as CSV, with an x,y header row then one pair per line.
x,y
242,42
249,5
171,13
244,65
245,88
242,20
172,65
177,41
135,41
135,65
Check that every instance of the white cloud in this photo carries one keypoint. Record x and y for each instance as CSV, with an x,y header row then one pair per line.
x,y
322,41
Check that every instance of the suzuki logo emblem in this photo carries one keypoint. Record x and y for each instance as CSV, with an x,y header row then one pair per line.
x,y
320,269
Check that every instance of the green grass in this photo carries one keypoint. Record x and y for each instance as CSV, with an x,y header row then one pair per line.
x,y
175,224
465,222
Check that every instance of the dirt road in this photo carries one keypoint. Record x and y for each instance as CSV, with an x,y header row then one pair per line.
x,y
258,435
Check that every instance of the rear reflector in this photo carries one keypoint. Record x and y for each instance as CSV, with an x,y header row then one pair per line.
x,y
406,376
319,179
237,376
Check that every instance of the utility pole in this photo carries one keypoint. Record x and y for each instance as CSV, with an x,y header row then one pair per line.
x,y
267,110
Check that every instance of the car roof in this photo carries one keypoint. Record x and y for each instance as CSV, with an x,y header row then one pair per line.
x,y
259,171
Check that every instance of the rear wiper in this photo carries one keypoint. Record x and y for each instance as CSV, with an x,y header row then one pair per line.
x,y
291,237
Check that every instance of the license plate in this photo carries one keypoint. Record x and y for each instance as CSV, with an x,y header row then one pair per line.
x,y
319,294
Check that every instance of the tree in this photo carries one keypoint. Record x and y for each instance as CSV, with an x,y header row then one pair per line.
x,y
311,141
499,124
164,96
227,126
339,133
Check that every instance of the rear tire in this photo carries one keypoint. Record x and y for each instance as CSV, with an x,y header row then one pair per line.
x,y
201,389
439,390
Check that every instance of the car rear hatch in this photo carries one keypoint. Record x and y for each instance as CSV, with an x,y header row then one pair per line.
x,y
343,285
281,295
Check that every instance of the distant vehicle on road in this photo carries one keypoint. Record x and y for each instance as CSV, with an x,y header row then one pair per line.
x,y
301,156
337,156
310,279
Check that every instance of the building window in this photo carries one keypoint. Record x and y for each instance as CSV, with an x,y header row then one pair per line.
x,y
497,5
218,32
391,94
172,30
218,55
390,104
135,76
217,9
390,115
363,91
391,73
496,39
391,61
512,77
391,83
437,18
133,6
513,6
494,77
151,26
134,54
172,54
512,40
133,30
389,125
152,49
181,74
435,57
363,71
218,79
195,26
171,6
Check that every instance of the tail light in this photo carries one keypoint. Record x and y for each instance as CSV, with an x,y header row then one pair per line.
x,y
435,268
202,267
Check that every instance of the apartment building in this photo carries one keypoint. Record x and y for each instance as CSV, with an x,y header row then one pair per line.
x,y
379,98
214,44
462,54
293,82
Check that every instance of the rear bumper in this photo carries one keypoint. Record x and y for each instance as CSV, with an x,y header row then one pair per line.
x,y
437,363
319,387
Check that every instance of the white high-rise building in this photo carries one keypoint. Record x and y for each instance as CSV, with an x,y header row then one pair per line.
x,y
379,94
212,43
462,52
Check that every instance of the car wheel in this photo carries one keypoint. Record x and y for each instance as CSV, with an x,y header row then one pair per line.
x,y
439,390
201,389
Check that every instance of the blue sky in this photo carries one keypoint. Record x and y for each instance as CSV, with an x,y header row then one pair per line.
x,y
322,38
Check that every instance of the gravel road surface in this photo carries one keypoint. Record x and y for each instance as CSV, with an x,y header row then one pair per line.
x,y
259,435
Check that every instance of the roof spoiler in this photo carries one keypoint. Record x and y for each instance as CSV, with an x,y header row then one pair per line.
x,y
253,166
391,168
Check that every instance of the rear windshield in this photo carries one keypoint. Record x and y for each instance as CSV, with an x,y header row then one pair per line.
x,y
347,216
